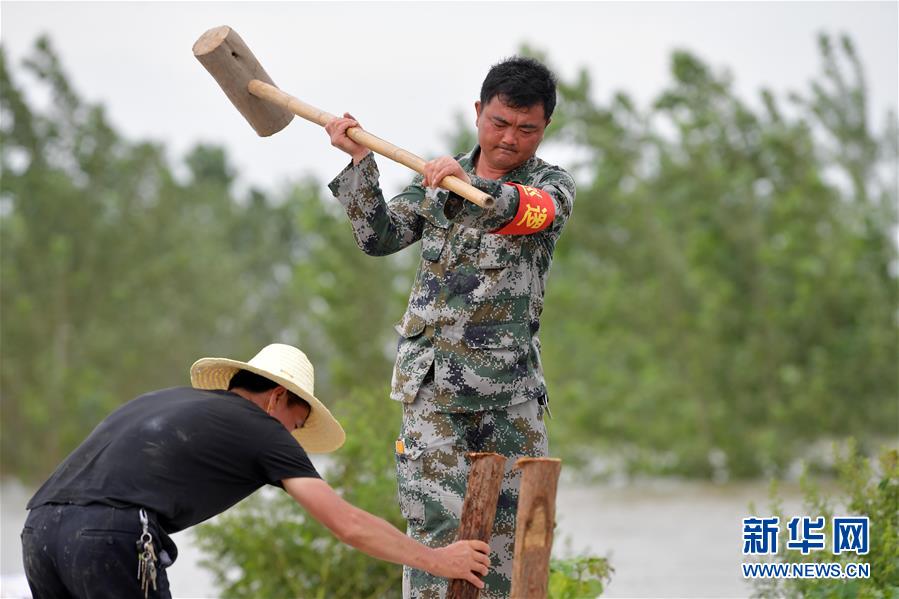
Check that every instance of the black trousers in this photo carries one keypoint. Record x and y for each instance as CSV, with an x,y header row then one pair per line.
x,y
90,551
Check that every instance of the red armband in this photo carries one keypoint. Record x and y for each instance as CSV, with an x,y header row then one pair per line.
x,y
536,212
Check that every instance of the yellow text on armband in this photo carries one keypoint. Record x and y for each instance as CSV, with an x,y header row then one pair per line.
x,y
533,217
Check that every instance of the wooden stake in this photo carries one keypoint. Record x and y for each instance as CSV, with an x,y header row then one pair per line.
x,y
478,510
534,526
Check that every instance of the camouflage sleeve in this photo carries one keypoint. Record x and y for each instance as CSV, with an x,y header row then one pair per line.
x,y
380,226
556,182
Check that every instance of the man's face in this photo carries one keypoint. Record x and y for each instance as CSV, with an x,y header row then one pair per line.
x,y
509,136
291,416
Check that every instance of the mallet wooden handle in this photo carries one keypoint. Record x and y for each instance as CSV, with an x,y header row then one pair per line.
x,y
269,92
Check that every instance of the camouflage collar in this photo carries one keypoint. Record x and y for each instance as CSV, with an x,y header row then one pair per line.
x,y
518,174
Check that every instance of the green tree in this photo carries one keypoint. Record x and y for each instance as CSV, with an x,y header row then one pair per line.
x,y
116,275
730,273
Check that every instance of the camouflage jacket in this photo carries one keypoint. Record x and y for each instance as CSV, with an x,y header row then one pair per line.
x,y
474,310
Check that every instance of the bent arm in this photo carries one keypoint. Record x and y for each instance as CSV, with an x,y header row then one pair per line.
x,y
557,185
380,227
378,538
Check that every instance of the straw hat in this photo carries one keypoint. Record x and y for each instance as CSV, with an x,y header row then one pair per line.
x,y
290,368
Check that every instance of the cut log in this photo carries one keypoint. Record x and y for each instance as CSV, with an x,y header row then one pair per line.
x,y
534,526
478,510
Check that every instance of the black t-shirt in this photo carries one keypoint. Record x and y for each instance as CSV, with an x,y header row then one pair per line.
x,y
186,454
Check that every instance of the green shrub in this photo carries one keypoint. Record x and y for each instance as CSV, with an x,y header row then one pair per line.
x,y
582,577
864,490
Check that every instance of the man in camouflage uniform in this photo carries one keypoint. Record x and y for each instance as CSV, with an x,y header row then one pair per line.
x,y
468,362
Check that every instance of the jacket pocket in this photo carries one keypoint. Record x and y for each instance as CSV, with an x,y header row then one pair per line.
x,y
414,356
494,362
433,238
498,251
497,335
410,326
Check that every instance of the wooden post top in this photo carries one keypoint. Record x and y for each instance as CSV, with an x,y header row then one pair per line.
x,y
522,462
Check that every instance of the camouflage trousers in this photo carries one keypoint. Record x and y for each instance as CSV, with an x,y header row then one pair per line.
x,y
432,474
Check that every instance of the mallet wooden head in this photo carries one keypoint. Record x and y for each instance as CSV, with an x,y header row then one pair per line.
x,y
233,66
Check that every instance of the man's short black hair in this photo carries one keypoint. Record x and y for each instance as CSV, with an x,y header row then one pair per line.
x,y
521,82
244,379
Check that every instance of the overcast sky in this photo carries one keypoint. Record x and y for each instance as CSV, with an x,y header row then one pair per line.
x,y
405,68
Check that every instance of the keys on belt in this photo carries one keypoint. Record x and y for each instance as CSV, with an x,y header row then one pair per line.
x,y
146,556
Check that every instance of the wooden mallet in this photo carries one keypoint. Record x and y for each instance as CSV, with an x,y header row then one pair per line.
x,y
268,109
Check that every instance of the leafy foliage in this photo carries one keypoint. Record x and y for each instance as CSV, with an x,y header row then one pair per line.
x,y
580,577
725,292
865,490
117,276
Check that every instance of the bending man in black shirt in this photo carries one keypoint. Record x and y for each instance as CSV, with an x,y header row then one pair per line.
x,y
170,459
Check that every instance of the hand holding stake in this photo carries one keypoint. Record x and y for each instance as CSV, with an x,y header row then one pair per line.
x,y
478,510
